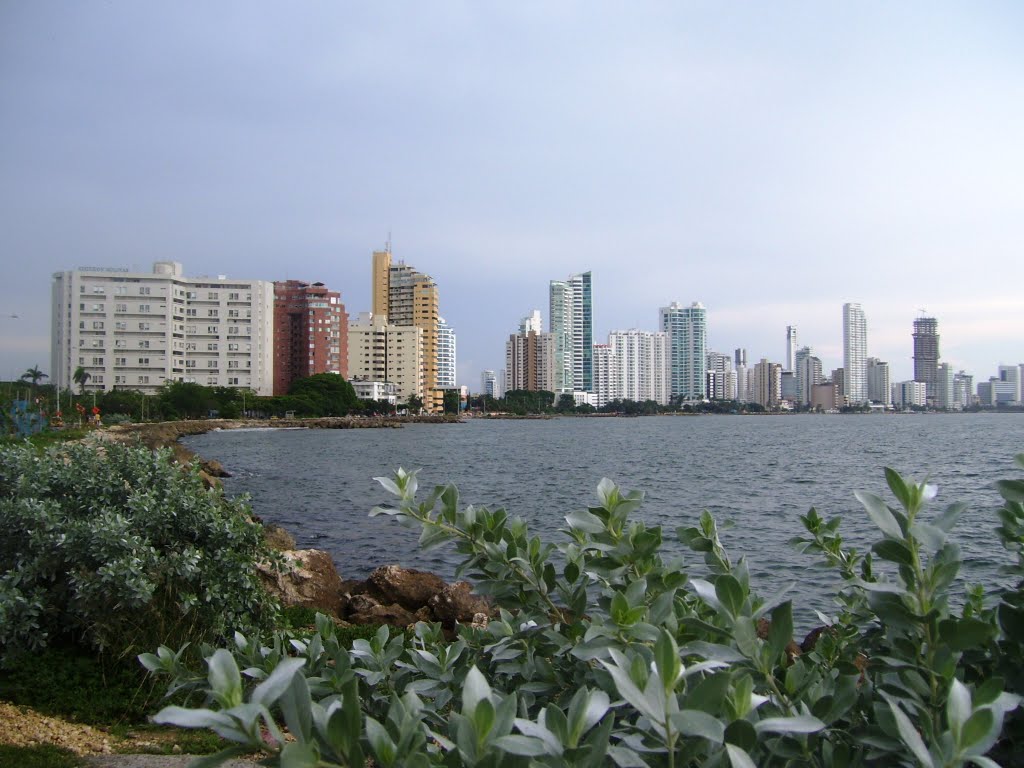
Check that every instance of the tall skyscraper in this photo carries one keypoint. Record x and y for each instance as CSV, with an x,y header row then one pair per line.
x,y
790,348
310,333
140,330
530,361
410,298
722,381
808,374
855,354
572,330
767,383
926,353
687,340
879,384
446,358
740,356
490,384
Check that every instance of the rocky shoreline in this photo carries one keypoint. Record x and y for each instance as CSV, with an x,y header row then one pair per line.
x,y
391,595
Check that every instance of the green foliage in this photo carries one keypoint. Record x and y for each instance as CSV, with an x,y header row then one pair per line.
x,y
39,756
605,653
452,401
119,548
78,684
524,401
324,394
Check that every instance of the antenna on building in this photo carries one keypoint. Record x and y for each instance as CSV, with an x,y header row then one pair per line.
x,y
387,247
922,311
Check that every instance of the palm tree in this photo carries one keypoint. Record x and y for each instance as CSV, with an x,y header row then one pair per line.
x,y
33,375
80,377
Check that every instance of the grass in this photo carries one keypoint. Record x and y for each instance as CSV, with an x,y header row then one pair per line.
x,y
40,756
76,684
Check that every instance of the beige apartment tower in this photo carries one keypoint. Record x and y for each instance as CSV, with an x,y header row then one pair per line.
x,y
409,298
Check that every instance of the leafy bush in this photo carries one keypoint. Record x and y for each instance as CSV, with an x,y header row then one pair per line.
x,y
119,548
39,756
610,654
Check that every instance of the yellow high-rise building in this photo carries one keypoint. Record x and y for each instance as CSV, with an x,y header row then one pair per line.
x,y
409,298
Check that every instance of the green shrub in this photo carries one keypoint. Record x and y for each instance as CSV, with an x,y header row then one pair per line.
x,y
119,548
604,653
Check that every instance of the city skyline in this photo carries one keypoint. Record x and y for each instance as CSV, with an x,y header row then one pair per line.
x,y
773,164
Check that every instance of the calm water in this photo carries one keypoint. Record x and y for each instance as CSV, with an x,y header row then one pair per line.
x,y
759,473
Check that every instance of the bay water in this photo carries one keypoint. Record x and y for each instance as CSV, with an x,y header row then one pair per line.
x,y
755,474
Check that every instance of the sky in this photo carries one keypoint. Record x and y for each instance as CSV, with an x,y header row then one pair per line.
x,y
769,160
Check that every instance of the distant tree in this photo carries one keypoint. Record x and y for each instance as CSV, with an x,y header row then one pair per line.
x,y
415,404
329,394
525,401
186,399
452,401
34,375
566,403
80,377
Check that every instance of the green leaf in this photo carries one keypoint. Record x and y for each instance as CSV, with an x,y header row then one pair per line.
x,y
909,734
581,520
958,705
880,514
894,551
738,758
474,690
948,519
219,758
693,722
666,659
1011,490
225,679
299,755
780,632
526,746
797,724
931,536
976,728
898,486
271,689
962,634
729,593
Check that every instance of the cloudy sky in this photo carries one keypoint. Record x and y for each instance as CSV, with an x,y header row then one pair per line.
x,y
770,160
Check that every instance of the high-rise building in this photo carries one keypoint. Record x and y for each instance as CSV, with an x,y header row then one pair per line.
x,y
310,333
531,322
809,374
722,379
571,324
767,383
790,348
740,356
926,353
687,340
530,361
607,381
855,354
963,390
140,330
1010,375
491,384
410,298
909,393
393,354
945,399
446,358
640,363
879,387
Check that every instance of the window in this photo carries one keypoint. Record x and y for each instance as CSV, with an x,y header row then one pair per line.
x,y
211,363
232,297
97,307
81,289
190,363
211,329
143,307
212,296
98,289
232,347
121,326
97,379
212,346
190,329
212,313
120,361
233,381
232,363
232,313
190,346
143,326
121,290
121,308
97,325
211,380
144,344
81,307
120,380
97,361
144,291
190,294
143,361
143,379
191,312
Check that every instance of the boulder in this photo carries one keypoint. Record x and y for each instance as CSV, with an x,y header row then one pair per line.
x,y
457,603
407,587
214,468
364,609
313,582
278,538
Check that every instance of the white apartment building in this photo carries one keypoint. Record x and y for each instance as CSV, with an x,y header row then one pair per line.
x,y
722,379
945,393
607,382
379,352
908,393
641,364
687,338
139,330
382,391
879,384
855,354
445,355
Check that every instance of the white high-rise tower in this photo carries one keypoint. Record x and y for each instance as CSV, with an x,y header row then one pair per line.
x,y
855,354
790,348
